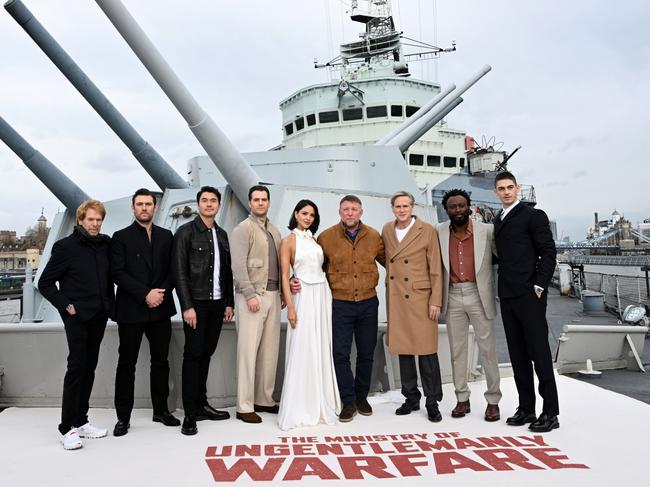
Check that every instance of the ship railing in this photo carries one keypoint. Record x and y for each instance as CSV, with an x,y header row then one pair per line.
x,y
618,291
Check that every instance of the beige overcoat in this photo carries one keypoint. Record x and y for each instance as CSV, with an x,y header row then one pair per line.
x,y
413,283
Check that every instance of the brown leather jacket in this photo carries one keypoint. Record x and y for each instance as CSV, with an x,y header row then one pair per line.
x,y
350,266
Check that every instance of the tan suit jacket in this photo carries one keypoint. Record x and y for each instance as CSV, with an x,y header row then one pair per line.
x,y
483,249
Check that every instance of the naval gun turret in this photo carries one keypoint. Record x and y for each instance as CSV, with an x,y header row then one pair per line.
x,y
159,170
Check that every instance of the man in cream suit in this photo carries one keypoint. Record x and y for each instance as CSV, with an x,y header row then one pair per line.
x,y
468,287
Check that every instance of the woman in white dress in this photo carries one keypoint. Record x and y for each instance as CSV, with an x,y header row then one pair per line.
x,y
310,394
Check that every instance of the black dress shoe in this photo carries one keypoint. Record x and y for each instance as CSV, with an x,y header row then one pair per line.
x,y
521,417
166,418
545,423
364,408
433,413
258,408
121,428
208,412
189,426
407,408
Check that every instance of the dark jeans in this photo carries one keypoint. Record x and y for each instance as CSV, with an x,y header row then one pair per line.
x,y
524,321
84,339
429,376
158,334
200,344
359,320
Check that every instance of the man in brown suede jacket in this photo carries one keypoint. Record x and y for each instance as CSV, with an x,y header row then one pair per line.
x,y
351,250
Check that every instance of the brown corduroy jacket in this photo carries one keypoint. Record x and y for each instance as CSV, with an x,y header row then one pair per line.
x,y
350,266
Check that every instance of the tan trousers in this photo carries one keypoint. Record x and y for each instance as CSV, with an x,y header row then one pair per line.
x,y
464,307
258,341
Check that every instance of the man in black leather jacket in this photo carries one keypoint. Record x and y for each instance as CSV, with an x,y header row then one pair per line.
x,y
203,281
80,264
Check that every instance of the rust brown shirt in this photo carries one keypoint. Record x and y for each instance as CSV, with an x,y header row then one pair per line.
x,y
461,256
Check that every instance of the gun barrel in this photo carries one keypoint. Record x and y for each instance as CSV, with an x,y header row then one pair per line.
x,y
423,110
66,191
232,165
159,170
408,137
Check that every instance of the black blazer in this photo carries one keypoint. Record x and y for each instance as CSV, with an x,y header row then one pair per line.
x,y
137,267
526,251
81,266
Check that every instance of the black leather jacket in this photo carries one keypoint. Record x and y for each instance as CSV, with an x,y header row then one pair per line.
x,y
193,261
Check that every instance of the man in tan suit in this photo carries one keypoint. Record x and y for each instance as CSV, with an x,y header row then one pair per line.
x,y
467,249
413,301
254,246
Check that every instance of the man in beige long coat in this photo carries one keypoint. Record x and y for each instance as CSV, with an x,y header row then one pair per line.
x,y
254,247
413,300
468,297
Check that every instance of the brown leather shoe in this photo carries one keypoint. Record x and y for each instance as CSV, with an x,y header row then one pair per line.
x,y
461,409
249,417
492,412
364,407
266,409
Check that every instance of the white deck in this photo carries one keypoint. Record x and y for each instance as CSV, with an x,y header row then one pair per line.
x,y
601,430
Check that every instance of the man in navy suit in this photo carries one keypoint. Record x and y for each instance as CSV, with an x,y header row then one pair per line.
x,y
141,268
526,251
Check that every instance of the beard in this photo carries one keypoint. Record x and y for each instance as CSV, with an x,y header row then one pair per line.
x,y
460,220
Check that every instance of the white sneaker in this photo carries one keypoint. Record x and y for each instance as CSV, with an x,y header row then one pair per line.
x,y
71,440
90,431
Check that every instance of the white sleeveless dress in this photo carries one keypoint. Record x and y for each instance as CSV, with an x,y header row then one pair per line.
x,y
310,394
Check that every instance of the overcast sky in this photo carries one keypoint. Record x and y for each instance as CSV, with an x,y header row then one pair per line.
x,y
569,84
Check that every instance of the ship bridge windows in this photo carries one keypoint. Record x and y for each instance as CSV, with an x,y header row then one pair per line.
x,y
376,112
410,110
288,128
449,161
433,161
396,111
328,117
300,123
352,114
416,160
311,119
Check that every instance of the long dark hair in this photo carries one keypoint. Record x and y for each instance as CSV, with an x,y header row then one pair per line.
x,y
293,223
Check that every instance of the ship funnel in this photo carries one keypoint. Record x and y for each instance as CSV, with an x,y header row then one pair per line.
x,y
232,165
408,137
58,183
159,170
406,131
423,110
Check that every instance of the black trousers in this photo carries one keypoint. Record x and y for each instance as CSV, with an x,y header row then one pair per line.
x,y
158,334
200,344
359,320
524,321
429,376
84,339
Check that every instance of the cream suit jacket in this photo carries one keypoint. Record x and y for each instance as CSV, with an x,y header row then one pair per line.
x,y
483,249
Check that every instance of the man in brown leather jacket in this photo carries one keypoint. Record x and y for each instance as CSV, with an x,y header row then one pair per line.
x,y
351,251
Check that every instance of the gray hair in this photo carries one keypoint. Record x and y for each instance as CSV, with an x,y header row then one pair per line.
x,y
399,194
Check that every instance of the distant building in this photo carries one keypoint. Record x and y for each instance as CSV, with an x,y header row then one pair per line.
x,y
644,228
16,253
